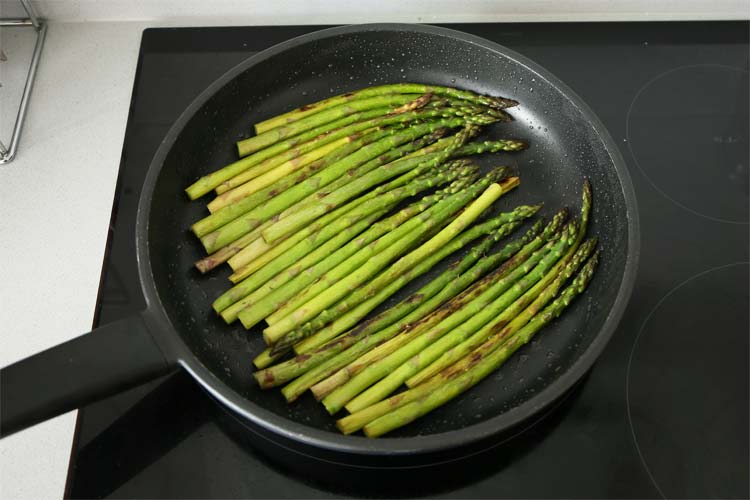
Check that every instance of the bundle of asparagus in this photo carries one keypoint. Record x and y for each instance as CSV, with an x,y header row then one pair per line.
x,y
447,336
314,209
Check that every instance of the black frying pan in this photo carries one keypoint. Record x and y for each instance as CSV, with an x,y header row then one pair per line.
x,y
178,329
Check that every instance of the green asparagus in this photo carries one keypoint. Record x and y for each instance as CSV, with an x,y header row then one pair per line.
x,y
252,219
404,88
318,303
387,280
492,358
326,359
539,260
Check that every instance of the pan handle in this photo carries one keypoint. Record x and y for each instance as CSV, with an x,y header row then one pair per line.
x,y
108,360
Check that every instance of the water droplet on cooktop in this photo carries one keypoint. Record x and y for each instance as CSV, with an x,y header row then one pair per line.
x,y
687,129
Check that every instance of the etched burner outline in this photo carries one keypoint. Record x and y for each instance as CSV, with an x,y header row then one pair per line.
x,y
634,348
629,140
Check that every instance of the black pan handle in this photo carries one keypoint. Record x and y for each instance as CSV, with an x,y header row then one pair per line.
x,y
108,360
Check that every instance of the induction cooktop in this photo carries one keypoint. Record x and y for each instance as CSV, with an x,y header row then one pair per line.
x,y
663,413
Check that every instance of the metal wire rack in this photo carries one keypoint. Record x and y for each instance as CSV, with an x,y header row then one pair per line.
x,y
7,153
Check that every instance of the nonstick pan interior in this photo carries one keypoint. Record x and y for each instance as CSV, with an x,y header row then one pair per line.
x,y
565,147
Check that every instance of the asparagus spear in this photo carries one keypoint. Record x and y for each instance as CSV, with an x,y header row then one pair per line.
x,y
475,148
557,275
267,253
252,219
326,359
319,207
318,303
501,309
356,122
252,257
262,161
327,228
283,150
408,88
265,139
290,369
391,275
494,283
405,220
235,247
231,212
247,204
267,178
225,253
524,274
254,247
452,103
522,248
410,309
306,294
560,273
285,371
331,325
330,200
385,285
492,358
238,253
231,302
327,251
407,234
246,189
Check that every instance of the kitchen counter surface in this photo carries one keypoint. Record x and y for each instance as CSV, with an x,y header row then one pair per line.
x,y
55,200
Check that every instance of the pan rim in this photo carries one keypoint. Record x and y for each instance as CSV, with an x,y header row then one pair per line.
x,y
170,340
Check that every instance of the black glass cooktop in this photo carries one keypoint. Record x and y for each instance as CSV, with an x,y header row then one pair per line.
x,y
664,412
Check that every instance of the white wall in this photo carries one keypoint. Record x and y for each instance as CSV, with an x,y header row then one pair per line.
x,y
212,12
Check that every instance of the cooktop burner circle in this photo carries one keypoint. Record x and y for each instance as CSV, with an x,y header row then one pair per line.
x,y
699,114
687,412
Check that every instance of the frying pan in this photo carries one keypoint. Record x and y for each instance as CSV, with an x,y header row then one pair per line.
x,y
177,330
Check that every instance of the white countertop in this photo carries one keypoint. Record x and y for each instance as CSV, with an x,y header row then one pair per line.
x,y
55,203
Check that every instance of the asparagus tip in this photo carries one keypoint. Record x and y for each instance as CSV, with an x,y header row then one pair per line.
x,y
535,208
504,102
411,106
587,188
